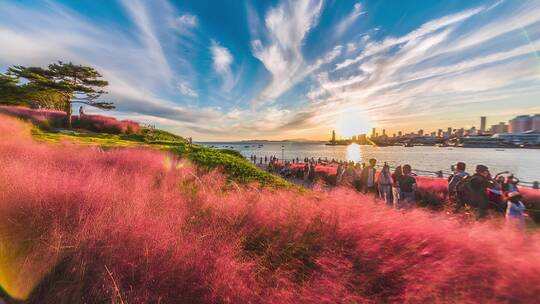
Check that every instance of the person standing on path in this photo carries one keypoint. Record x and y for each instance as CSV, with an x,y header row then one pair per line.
x,y
478,185
396,191
384,184
407,185
368,177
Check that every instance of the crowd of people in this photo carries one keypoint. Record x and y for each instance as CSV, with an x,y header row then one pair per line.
x,y
482,191
397,188
479,191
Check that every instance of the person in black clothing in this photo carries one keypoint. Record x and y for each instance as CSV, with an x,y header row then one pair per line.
x,y
478,185
407,185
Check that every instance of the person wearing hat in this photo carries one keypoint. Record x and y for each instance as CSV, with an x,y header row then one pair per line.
x,y
479,183
515,210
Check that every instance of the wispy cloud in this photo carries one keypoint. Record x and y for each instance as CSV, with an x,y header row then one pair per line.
x,y
186,89
287,26
432,69
344,24
222,60
149,38
187,20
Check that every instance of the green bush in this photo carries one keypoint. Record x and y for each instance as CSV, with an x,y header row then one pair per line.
x,y
236,167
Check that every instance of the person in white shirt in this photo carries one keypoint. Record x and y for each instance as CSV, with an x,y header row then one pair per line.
x,y
368,177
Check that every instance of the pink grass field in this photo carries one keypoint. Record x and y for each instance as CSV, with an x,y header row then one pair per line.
x,y
79,225
50,119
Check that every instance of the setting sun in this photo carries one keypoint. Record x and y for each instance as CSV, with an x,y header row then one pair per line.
x,y
353,123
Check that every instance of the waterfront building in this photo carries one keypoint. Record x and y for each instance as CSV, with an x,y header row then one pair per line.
x,y
481,142
520,124
500,128
536,122
525,138
483,120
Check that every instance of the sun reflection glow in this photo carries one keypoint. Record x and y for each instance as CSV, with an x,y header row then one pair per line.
x,y
354,153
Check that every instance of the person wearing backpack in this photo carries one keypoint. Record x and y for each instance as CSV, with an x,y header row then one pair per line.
x,y
477,186
456,177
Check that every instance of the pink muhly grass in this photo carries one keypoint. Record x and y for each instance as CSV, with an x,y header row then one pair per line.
x,y
140,226
100,123
49,119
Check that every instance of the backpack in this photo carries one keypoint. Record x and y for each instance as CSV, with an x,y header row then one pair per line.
x,y
463,189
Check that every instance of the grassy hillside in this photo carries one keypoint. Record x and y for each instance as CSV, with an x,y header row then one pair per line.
x,y
47,128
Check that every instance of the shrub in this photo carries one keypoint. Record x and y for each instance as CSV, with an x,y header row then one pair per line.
x,y
105,124
52,119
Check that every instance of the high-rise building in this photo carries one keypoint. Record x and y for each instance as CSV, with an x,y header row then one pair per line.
x,y
373,132
420,132
500,128
383,132
520,124
399,134
440,133
333,136
536,122
483,120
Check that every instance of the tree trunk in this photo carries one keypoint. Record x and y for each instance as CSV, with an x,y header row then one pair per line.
x,y
67,109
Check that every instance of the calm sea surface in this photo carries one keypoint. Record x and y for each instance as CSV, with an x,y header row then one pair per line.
x,y
524,163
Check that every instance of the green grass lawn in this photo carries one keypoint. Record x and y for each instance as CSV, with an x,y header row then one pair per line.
x,y
234,165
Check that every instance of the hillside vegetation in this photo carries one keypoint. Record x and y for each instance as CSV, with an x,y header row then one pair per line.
x,y
47,127
82,225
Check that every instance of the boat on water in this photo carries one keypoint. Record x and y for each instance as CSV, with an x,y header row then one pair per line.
x,y
337,144
408,145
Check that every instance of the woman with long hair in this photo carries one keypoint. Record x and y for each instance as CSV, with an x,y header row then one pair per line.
x,y
384,182
396,191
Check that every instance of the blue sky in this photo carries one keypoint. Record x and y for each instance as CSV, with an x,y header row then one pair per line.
x,y
227,70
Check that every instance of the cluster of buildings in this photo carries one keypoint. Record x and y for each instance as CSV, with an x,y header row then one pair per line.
x,y
521,131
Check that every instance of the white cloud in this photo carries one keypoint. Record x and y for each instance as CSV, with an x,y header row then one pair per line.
x,y
185,89
141,18
222,60
287,26
403,79
426,29
187,20
344,24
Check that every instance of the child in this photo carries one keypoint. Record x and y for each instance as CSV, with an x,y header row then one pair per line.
x,y
514,210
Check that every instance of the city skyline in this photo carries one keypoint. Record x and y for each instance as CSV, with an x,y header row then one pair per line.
x,y
529,122
280,69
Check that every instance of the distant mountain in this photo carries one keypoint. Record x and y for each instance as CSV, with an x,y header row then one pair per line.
x,y
301,140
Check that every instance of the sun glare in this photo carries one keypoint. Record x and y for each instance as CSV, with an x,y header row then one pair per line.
x,y
353,123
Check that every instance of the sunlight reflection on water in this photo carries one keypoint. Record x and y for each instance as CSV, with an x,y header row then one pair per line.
x,y
354,153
